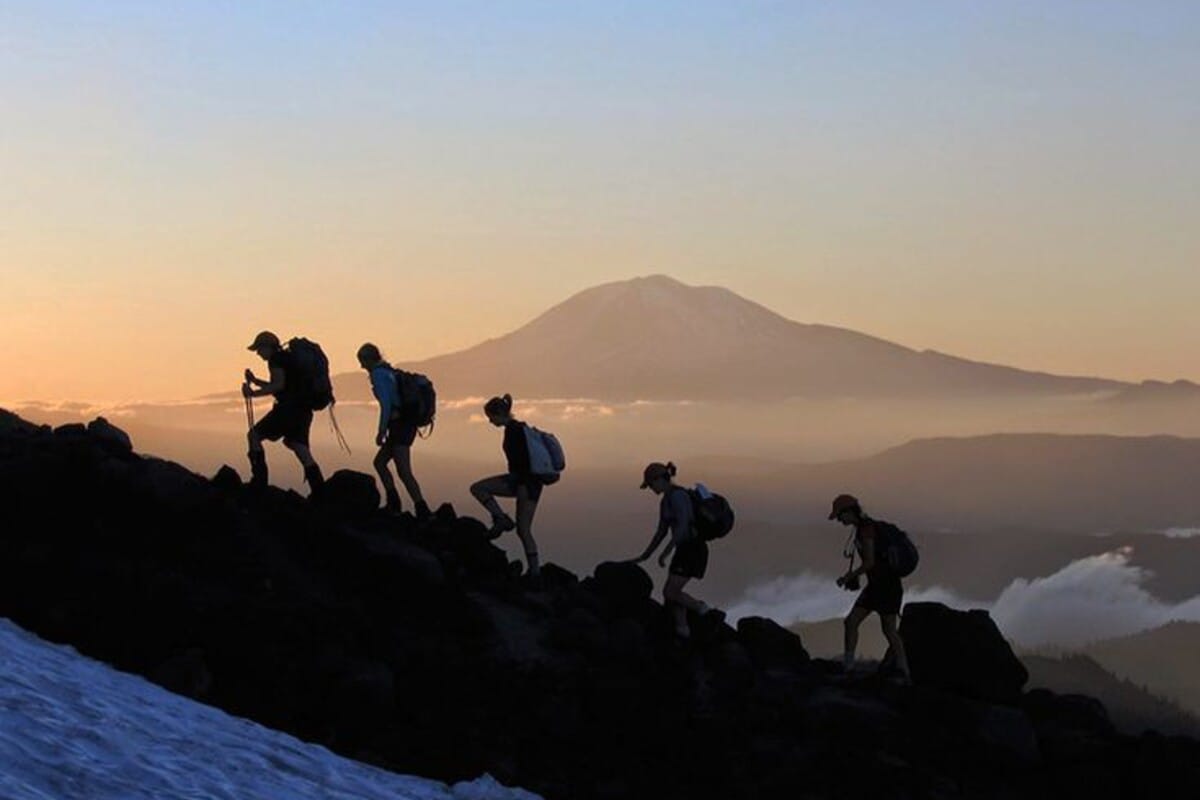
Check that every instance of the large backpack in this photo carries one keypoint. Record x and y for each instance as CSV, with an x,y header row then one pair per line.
x,y
895,550
712,516
546,457
310,377
418,398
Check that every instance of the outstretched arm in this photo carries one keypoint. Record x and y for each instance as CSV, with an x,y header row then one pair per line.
x,y
659,535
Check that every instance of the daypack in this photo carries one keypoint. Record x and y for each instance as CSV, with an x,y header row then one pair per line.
x,y
418,398
712,516
310,377
546,457
895,550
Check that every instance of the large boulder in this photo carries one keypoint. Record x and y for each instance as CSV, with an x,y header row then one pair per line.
x,y
770,645
110,437
350,494
227,479
626,586
961,652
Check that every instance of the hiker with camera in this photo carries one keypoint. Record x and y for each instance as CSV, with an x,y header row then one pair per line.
x,y
693,517
535,460
299,388
407,403
887,556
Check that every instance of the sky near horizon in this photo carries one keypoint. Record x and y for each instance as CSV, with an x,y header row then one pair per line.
x,y
1014,182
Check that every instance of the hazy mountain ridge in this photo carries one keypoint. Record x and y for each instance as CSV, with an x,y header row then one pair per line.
x,y
656,338
1166,658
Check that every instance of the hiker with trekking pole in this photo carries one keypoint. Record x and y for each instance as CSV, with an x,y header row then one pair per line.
x,y
299,382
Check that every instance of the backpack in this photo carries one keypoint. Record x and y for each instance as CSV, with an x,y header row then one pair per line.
x,y
418,398
895,550
546,457
310,376
712,516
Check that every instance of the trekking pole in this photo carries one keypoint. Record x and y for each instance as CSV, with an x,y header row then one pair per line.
x,y
333,424
249,412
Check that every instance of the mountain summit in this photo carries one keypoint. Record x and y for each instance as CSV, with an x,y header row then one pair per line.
x,y
657,338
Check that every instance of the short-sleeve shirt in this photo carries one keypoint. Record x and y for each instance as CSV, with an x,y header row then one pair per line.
x,y
675,511
285,361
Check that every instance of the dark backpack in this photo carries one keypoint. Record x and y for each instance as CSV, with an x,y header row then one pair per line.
x,y
310,374
418,398
895,550
712,516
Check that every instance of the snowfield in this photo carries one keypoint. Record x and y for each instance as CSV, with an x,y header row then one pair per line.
x,y
71,727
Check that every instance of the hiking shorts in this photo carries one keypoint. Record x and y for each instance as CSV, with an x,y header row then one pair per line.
x,y
883,594
287,422
401,433
690,559
533,486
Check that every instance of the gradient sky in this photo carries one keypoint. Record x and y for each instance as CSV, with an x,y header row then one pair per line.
x,y
1015,182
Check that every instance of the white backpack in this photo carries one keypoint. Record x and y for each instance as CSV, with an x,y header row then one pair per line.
x,y
546,457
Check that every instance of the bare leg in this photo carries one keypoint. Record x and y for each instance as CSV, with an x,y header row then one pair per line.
x,y
853,620
526,508
680,602
302,451
891,631
402,455
312,472
487,490
381,462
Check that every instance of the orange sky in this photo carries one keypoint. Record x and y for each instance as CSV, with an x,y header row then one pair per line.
x,y
1004,184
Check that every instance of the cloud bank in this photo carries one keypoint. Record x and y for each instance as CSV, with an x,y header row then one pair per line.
x,y
1091,599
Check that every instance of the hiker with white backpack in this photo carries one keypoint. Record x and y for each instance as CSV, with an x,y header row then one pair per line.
x,y
535,460
299,382
888,555
693,517
407,403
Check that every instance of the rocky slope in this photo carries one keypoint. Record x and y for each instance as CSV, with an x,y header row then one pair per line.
x,y
418,649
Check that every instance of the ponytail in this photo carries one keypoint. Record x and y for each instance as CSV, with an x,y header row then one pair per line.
x,y
499,406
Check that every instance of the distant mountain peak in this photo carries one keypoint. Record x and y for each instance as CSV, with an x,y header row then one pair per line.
x,y
655,337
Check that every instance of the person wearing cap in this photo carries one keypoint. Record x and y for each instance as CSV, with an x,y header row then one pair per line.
x,y
290,419
690,559
884,592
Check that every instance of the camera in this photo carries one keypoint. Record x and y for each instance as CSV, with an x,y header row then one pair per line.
x,y
850,585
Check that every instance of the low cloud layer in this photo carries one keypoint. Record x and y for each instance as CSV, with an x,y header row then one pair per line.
x,y
1094,598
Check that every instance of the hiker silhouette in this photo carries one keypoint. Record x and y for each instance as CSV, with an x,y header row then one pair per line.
x,y
875,541
534,461
400,418
676,515
291,417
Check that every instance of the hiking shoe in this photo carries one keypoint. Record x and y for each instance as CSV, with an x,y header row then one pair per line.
x,y
392,505
500,526
423,512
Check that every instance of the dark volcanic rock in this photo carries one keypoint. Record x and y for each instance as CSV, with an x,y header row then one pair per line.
x,y
227,479
110,437
626,586
351,494
414,646
961,651
770,645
